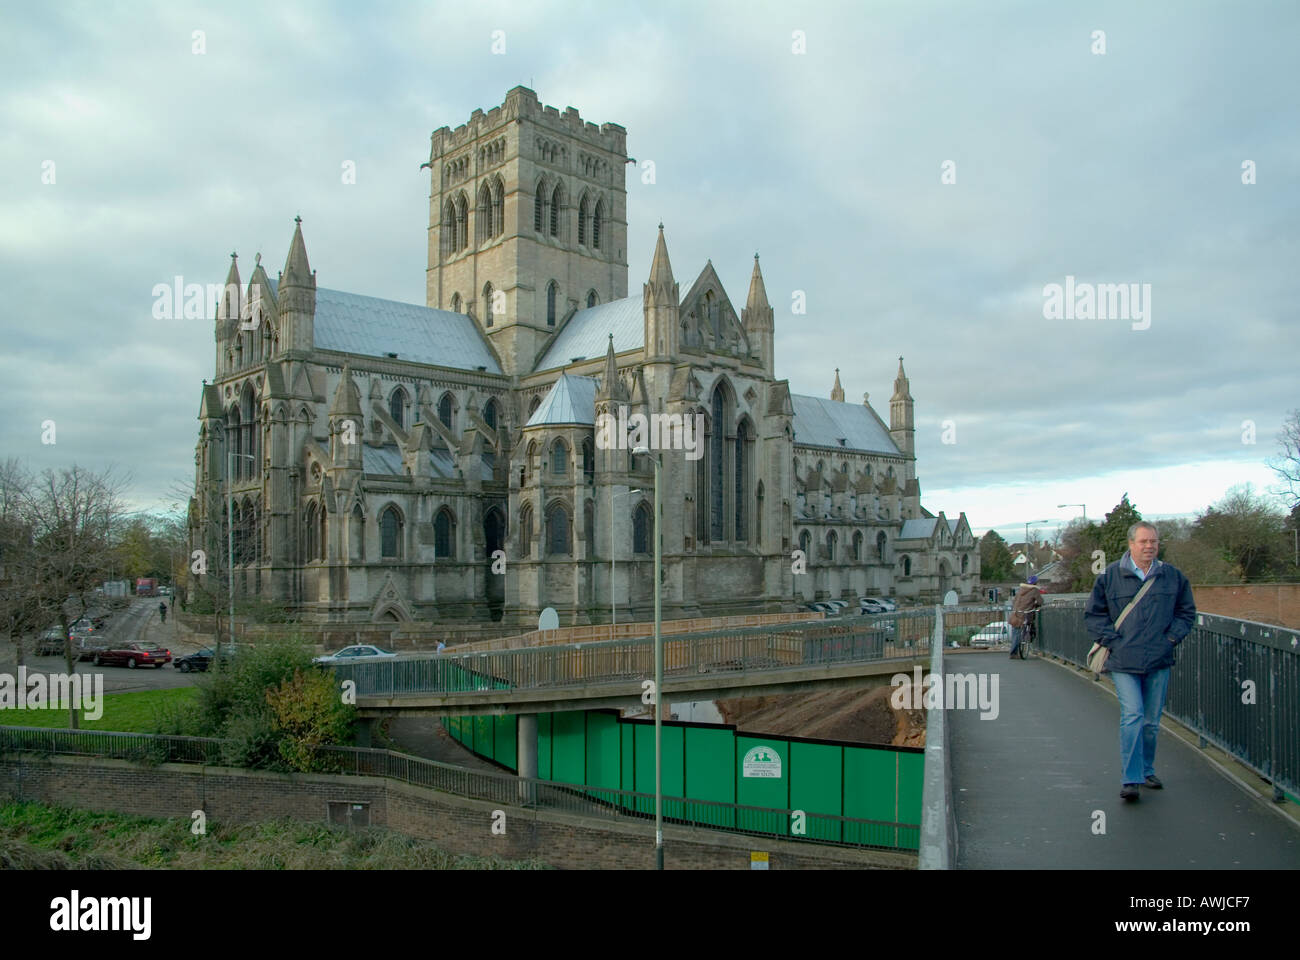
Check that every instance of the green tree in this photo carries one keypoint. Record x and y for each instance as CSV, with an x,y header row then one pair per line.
x,y
1114,530
1078,543
308,713
1247,532
995,558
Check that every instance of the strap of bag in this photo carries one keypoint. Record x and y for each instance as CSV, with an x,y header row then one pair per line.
x,y
1133,603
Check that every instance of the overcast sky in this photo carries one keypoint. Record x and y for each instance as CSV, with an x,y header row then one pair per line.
x,y
1117,167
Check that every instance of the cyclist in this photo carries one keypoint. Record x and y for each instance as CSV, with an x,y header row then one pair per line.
x,y
1027,603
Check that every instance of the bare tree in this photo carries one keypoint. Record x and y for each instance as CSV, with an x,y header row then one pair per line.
x,y
1287,464
72,514
19,613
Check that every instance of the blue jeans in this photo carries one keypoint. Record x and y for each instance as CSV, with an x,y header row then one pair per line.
x,y
1141,701
1016,634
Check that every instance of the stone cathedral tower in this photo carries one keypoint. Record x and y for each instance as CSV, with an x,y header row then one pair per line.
x,y
527,222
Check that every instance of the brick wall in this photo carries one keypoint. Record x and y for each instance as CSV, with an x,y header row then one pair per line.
x,y
456,824
1277,603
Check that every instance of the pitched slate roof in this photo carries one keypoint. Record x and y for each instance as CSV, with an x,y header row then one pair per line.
x,y
570,400
820,422
917,529
387,460
373,327
587,332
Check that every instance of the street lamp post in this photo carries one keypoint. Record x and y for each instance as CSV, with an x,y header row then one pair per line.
x,y
1083,506
659,676
613,596
1029,553
230,534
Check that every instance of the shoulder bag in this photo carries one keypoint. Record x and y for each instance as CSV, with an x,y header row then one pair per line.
x,y
1098,655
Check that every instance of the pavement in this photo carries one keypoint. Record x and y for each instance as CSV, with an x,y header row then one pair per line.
x,y
1028,786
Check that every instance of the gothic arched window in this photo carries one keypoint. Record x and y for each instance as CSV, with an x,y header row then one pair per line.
x,y
592,299
539,208
857,546
832,541
397,407
597,224
880,547
552,294
559,458
742,480
444,534
907,566
445,410
965,563
490,413
448,228
462,221
487,304
525,530
455,303
758,513
557,198
588,460
390,534
483,215
498,207
557,530
717,467
641,521
805,543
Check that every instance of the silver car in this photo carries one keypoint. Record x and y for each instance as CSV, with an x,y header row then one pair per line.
x,y
356,652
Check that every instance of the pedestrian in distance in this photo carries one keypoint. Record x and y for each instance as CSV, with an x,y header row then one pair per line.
x,y
1028,600
441,646
1140,610
162,610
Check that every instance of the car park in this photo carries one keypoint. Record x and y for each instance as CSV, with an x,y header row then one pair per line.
x,y
354,653
992,634
131,655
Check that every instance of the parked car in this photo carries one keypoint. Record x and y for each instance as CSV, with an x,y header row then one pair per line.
x,y
358,651
50,643
837,604
870,605
201,659
132,655
889,606
992,634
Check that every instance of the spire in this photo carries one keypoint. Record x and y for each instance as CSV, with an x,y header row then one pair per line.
x,y
230,295
297,271
346,402
837,392
661,271
611,388
757,299
902,388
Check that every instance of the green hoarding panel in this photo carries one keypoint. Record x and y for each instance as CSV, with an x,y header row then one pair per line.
x,y
870,793
762,768
911,778
568,747
672,767
710,766
544,746
505,739
483,736
815,786
603,749
627,760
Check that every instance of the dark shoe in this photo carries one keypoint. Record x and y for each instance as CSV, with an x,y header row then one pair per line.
x,y
1154,782
1129,791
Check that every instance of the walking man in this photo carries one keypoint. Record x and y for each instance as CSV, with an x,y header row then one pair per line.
x,y
162,611
1152,603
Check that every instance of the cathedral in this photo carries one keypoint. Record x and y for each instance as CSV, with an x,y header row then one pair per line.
x,y
392,462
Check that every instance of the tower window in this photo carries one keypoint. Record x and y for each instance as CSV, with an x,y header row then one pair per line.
x,y
641,529
592,300
455,302
556,199
551,297
597,223
582,221
539,208
559,458
557,530
487,304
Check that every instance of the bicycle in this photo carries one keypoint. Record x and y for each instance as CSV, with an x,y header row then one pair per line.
x,y
1028,634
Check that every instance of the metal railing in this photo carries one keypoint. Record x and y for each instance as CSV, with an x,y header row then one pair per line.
x,y
504,788
1236,685
744,650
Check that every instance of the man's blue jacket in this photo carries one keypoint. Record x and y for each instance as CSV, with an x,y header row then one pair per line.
x,y
1155,626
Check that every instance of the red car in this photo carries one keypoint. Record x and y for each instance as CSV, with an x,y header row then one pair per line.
x,y
133,655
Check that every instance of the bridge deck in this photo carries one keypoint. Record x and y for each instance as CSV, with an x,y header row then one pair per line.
x,y
1025,786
